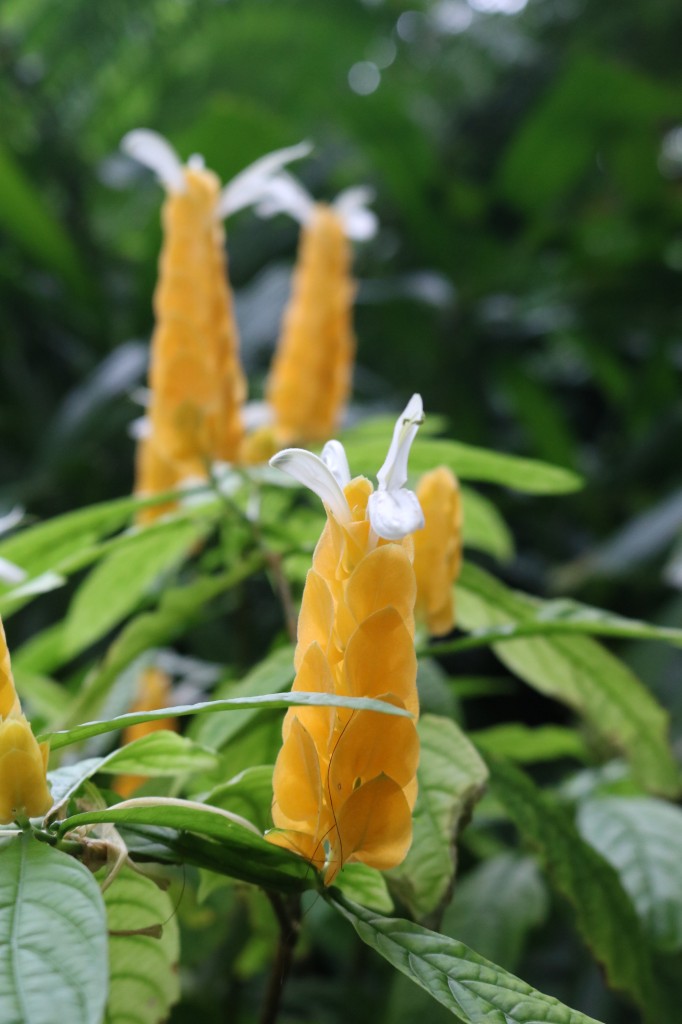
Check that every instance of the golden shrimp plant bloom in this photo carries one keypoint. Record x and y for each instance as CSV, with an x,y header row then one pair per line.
x,y
345,780
196,380
311,374
438,549
24,792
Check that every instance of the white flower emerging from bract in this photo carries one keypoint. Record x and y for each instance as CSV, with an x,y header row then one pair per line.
x,y
393,510
284,194
248,187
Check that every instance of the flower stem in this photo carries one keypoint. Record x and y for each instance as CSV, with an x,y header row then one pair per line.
x,y
288,914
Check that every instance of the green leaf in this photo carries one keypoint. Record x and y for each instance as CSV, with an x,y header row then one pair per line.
x,y
159,754
53,936
642,838
47,546
269,700
178,609
451,779
364,885
526,745
143,968
271,675
26,218
496,905
116,585
68,779
239,851
579,672
475,990
468,463
604,915
483,526
248,794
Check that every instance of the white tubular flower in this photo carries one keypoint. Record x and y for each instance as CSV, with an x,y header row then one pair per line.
x,y
285,194
252,184
393,510
153,151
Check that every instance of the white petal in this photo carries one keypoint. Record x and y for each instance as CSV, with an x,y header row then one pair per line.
x,y
393,473
11,573
250,184
152,150
140,429
394,514
360,223
11,519
310,470
335,458
284,194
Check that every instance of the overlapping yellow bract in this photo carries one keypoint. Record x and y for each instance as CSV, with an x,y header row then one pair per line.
x,y
24,791
196,380
153,693
345,781
438,549
310,378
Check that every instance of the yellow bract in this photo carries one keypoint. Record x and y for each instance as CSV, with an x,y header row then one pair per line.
x,y
23,762
197,384
310,379
438,550
345,781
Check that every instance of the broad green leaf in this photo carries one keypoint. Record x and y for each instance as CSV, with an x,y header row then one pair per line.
x,y
475,990
579,672
143,968
47,546
483,527
526,745
642,838
468,463
68,779
159,754
43,695
12,600
366,886
239,852
248,794
53,936
271,675
29,221
604,914
451,779
269,700
116,585
496,905
178,609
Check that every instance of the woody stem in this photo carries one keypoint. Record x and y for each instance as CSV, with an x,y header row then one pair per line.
x,y
288,914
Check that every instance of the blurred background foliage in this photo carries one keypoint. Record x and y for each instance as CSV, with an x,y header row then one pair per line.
x,y
527,160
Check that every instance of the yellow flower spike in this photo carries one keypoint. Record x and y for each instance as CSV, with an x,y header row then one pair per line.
x,y
438,550
311,374
345,781
24,792
153,693
197,384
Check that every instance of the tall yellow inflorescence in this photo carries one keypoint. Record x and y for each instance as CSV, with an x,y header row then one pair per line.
x,y
195,376
345,780
24,791
438,550
310,379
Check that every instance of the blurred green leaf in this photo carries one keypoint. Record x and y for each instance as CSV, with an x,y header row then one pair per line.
x,y
483,527
579,672
642,838
604,915
526,745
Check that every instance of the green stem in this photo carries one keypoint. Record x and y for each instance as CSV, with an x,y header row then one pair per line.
x,y
288,915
